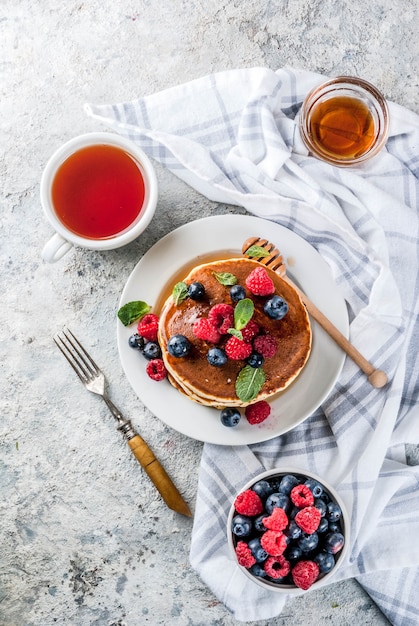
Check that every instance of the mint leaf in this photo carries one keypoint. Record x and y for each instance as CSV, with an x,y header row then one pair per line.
x,y
225,278
180,292
243,313
236,333
257,252
249,382
133,311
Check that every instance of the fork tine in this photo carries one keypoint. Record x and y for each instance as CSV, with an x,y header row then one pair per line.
x,y
76,355
82,352
69,357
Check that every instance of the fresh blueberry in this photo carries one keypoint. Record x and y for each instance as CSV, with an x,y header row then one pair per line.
x,y
256,549
284,502
293,512
321,505
326,497
307,543
325,561
334,542
237,292
293,553
314,486
288,483
136,341
262,488
334,512
241,526
258,523
255,360
293,531
216,357
196,291
284,580
132,341
152,350
178,346
257,570
277,500
335,527
275,482
230,417
323,526
276,308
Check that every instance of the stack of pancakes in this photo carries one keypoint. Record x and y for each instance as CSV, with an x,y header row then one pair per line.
x,y
215,386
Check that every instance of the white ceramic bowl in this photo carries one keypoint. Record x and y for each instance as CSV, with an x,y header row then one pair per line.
x,y
287,586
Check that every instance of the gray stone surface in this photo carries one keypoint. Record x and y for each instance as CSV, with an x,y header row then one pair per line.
x,y
85,539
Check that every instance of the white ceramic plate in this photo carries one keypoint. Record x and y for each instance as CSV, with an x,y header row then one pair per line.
x,y
204,240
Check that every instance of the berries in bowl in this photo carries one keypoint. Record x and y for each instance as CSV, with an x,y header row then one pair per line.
x,y
288,530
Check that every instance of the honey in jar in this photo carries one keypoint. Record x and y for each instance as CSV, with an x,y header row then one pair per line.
x,y
344,121
342,126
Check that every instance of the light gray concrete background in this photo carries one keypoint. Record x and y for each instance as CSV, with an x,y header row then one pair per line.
x,y
85,539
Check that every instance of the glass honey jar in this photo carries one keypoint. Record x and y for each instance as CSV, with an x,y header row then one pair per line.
x,y
344,121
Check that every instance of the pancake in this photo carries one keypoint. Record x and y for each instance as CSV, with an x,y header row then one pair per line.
x,y
214,386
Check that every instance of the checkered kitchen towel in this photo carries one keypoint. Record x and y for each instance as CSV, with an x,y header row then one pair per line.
x,y
233,136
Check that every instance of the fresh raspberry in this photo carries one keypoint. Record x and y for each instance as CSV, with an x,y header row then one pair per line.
x,y
237,349
248,503
277,567
250,331
222,317
308,519
266,345
259,283
305,573
244,555
204,329
274,542
148,326
301,496
278,520
257,412
156,369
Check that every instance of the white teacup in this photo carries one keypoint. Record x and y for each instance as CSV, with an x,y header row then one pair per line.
x,y
112,206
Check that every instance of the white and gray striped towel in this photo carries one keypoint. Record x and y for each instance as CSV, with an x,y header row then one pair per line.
x,y
233,137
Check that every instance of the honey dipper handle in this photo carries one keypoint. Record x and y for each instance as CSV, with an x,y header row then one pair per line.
x,y
158,475
377,378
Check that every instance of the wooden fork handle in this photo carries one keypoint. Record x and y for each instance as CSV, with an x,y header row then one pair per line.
x,y
158,475
377,378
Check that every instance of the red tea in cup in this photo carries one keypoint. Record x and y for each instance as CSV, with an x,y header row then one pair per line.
x,y
98,191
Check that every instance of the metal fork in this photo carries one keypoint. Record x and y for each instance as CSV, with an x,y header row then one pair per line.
x,y
94,380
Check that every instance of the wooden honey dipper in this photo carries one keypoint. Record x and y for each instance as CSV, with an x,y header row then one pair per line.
x,y
275,262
